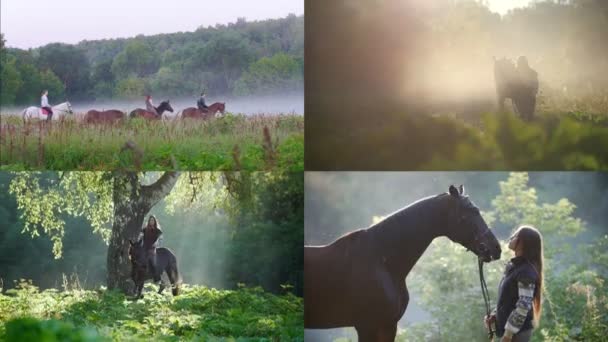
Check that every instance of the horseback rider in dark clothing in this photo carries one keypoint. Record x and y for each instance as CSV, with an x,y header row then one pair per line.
x,y
202,106
152,235
527,88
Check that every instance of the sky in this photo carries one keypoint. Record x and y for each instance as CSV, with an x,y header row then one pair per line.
x,y
503,6
33,23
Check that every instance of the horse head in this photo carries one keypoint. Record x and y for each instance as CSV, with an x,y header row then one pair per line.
x,y
468,228
222,107
165,106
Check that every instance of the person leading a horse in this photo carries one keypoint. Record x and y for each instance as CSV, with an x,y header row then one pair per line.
x,y
44,104
527,88
152,236
150,106
202,106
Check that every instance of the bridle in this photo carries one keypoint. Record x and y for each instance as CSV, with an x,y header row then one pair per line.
x,y
486,296
475,239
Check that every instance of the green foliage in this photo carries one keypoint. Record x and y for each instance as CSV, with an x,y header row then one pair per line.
x,y
495,142
42,204
10,81
137,58
131,87
194,144
198,313
268,75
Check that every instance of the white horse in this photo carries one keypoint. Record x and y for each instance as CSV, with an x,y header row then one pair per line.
x,y
59,110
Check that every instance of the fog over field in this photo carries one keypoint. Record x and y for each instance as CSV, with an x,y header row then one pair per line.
x,y
274,104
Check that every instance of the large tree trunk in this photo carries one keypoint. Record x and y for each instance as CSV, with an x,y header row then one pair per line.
x,y
132,202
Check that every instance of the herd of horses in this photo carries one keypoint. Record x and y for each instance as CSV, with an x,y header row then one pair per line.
x,y
359,279
114,115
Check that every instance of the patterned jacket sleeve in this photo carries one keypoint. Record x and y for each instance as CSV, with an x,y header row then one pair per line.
x,y
522,308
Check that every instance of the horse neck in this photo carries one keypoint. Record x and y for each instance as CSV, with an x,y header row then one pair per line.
x,y
403,237
161,109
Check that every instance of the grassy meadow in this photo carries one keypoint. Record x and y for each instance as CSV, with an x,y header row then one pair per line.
x,y
230,142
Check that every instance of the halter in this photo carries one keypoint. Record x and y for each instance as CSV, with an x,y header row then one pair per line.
x,y
486,296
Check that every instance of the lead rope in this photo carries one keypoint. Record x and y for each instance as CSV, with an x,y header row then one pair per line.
x,y
486,296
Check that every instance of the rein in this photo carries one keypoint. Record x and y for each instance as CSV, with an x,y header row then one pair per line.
x,y
486,296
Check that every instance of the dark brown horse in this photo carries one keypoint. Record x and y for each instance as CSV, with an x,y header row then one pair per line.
x,y
511,84
106,116
165,262
359,279
142,113
196,113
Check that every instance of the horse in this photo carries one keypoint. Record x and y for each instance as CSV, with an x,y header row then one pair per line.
x,y
359,279
142,113
59,110
511,85
110,116
165,262
196,113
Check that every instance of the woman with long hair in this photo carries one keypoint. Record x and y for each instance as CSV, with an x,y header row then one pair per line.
x,y
519,303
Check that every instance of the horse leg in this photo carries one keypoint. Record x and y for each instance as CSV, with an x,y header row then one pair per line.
x,y
173,278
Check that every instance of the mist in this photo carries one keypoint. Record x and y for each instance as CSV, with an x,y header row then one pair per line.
x,y
288,103
340,202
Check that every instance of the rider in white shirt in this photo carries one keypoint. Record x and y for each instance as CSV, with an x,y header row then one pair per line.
x,y
44,103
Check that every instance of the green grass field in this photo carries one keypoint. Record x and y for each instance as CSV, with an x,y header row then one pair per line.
x,y
231,142
198,314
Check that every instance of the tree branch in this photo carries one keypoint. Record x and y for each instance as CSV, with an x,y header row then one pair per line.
x,y
153,193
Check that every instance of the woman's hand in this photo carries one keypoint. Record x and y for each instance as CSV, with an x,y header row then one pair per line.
x,y
489,319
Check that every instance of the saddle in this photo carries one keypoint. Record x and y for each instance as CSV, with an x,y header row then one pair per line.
x,y
45,111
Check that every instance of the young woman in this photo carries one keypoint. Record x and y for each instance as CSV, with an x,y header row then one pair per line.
x,y
150,106
44,104
519,295
152,236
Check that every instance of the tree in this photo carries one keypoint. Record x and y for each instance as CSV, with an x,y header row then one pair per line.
x,y
261,217
278,73
137,58
119,197
71,66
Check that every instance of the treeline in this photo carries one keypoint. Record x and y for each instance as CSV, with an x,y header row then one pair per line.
x,y
241,58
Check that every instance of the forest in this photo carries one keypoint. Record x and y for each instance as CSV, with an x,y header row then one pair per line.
x,y
382,77
446,303
240,58
238,238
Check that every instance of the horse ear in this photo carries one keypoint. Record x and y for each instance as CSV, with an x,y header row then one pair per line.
x,y
454,192
461,189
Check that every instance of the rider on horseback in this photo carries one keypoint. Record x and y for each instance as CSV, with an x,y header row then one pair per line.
x,y
202,106
152,236
150,107
44,104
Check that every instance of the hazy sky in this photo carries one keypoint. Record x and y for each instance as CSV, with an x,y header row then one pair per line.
x,y
503,6
32,23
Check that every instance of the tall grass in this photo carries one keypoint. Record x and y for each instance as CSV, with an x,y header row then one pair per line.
x,y
137,144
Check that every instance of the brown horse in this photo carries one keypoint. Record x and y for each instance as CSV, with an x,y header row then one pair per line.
x,y
166,262
359,279
106,116
196,113
142,113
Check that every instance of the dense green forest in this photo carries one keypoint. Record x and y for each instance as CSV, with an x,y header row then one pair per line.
x,y
241,58
446,303
385,76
